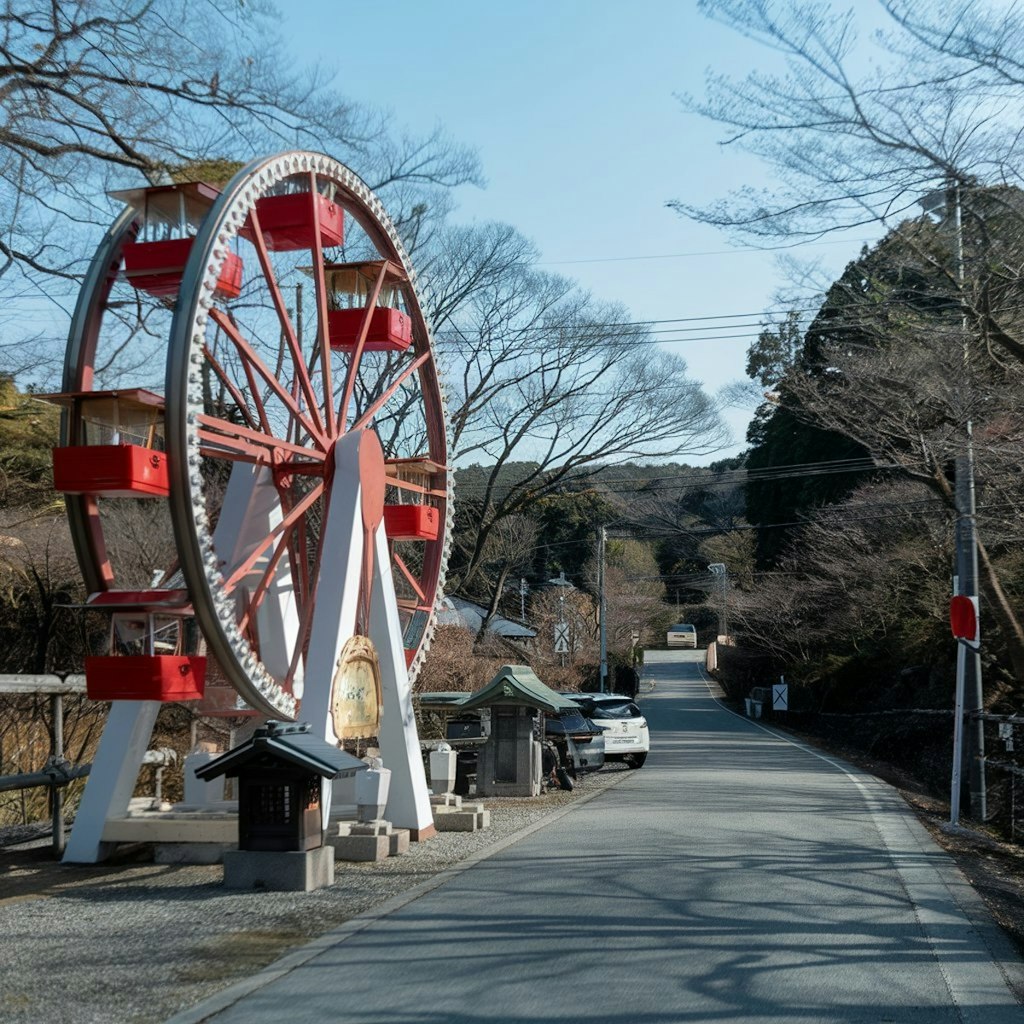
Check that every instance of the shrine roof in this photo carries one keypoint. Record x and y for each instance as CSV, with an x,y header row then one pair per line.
x,y
293,745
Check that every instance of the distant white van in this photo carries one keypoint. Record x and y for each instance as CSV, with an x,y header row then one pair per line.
x,y
682,635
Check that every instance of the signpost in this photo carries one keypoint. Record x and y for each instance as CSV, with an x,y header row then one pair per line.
x,y
780,695
561,638
963,621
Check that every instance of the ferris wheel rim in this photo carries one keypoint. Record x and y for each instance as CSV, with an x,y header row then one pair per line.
x,y
192,314
86,531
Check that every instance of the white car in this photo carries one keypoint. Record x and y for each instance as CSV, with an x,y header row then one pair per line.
x,y
682,635
626,736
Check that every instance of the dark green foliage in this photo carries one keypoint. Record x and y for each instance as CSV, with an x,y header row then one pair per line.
x,y
569,521
781,438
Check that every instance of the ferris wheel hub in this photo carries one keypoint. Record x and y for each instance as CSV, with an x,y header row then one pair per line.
x,y
358,458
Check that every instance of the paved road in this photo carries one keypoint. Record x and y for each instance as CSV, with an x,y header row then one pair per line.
x,y
736,877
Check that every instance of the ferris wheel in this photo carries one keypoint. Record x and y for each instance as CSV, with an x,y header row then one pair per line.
x,y
288,473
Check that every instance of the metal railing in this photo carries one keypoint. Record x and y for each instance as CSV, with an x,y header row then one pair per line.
x,y
58,771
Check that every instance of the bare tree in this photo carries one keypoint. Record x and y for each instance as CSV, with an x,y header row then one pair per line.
x,y
634,595
508,552
547,385
905,358
105,93
868,575
857,141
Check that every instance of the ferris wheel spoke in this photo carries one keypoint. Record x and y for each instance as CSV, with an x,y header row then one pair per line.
x,y
322,340
305,619
379,403
257,400
229,384
357,352
302,374
266,580
221,429
297,548
411,579
217,446
246,351
291,517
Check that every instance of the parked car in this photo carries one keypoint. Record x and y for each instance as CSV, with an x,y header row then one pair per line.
x,y
580,743
626,736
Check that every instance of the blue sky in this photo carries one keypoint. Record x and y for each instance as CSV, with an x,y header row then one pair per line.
x,y
572,107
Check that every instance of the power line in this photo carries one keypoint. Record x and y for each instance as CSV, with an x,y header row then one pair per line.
x,y
729,477
710,252
812,305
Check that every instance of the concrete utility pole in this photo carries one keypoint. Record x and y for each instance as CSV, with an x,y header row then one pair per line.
x,y
721,572
948,202
967,573
602,609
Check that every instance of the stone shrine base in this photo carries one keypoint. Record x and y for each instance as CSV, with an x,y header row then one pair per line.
x,y
284,871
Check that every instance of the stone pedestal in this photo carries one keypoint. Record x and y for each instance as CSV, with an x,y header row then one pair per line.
x,y
197,792
362,840
285,871
445,800
442,769
468,818
399,840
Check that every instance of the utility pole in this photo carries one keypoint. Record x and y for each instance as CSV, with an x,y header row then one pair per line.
x,y
721,573
565,643
967,550
602,610
967,574
969,683
522,599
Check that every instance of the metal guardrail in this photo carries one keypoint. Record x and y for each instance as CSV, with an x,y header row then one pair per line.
x,y
58,772
42,684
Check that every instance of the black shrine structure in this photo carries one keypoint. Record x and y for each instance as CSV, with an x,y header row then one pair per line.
x,y
280,771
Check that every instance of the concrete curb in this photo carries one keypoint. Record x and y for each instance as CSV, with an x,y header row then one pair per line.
x,y
227,997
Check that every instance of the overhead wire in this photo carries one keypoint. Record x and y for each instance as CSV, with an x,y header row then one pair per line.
x,y
737,250
732,477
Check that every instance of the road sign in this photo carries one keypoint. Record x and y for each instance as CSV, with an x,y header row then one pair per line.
x,y
561,638
780,696
963,620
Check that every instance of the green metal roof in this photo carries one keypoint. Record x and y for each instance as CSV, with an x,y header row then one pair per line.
x,y
438,700
518,685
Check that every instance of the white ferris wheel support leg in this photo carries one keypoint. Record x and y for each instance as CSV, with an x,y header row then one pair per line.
x,y
409,797
250,511
112,778
337,587
334,620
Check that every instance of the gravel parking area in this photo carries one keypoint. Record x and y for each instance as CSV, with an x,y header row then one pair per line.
x,y
134,943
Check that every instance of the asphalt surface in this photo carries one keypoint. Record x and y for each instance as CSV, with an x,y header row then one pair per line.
x,y
738,876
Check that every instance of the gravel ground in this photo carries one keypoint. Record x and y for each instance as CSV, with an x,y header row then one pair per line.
x,y
134,942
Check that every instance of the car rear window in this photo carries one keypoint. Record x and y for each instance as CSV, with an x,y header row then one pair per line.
x,y
573,721
615,709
